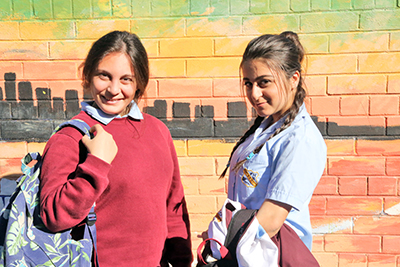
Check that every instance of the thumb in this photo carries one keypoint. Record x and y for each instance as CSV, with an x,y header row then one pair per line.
x,y
85,139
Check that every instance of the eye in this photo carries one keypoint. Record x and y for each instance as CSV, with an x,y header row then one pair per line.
x,y
127,80
263,83
103,76
248,85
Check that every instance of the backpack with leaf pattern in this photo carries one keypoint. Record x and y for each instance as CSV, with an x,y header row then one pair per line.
x,y
24,240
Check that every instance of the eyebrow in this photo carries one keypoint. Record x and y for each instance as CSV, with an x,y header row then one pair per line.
x,y
259,77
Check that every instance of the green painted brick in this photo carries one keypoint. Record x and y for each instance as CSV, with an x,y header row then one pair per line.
x,y
385,3
239,7
121,8
259,6
329,22
280,6
81,9
5,9
214,26
22,9
320,5
179,8
363,4
141,8
315,43
341,4
158,27
160,8
300,5
42,9
199,7
101,8
220,7
359,42
62,9
270,24
380,20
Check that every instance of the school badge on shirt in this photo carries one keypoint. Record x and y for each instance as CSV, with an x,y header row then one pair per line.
x,y
250,178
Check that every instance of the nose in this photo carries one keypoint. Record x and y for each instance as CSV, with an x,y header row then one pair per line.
x,y
256,92
113,88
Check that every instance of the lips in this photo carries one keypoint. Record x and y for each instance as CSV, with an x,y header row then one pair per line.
x,y
110,101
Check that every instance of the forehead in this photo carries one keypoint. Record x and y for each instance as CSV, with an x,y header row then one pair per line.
x,y
116,60
254,68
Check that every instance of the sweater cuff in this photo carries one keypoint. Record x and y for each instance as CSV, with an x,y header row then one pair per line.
x,y
96,170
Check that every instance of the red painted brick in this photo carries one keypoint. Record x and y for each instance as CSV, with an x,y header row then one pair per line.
x,y
317,205
354,105
10,168
340,147
185,88
381,260
353,205
353,186
377,225
393,121
382,185
353,243
315,85
327,186
52,70
391,244
356,84
393,166
229,87
356,166
323,106
352,260
318,243
326,259
331,224
384,105
378,147
10,66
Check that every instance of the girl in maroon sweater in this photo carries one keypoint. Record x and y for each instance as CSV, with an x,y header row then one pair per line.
x,y
129,169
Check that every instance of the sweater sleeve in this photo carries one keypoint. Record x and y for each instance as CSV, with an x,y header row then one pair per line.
x,y
177,249
71,180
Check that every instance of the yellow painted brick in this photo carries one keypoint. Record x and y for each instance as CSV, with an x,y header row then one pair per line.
x,y
211,186
69,49
197,166
167,68
213,26
97,28
315,43
209,148
359,42
10,150
158,27
395,41
340,146
315,85
188,47
394,84
220,201
213,67
273,24
47,30
190,185
381,62
151,47
199,223
180,147
9,30
201,204
357,84
329,64
233,46
36,147
23,50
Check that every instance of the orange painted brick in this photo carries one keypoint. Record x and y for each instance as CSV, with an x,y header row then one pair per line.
x,y
201,204
340,147
209,26
199,223
58,88
377,225
23,50
328,185
11,66
318,243
197,165
152,89
354,105
47,30
209,148
352,260
69,49
50,70
231,46
393,84
391,244
188,47
354,205
167,68
152,47
353,186
36,147
180,147
381,260
382,186
393,166
9,30
190,185
326,259
213,67
317,205
10,168
353,243
220,106
331,225
356,166
392,206
185,88
394,41
356,84
359,42
211,186
379,62
331,64
384,105
10,150
227,87
93,29
220,163
323,106
315,85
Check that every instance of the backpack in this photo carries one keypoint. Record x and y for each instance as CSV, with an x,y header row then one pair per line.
x,y
24,240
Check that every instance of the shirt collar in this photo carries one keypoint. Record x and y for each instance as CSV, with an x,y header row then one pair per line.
x,y
105,118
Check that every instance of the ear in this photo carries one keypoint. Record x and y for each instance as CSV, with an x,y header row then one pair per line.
x,y
294,81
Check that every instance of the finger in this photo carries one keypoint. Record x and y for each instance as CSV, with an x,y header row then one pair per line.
x,y
96,128
85,139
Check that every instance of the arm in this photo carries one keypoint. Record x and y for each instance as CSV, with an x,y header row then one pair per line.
x,y
272,215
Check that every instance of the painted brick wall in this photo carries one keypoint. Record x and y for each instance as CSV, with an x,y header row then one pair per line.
x,y
353,82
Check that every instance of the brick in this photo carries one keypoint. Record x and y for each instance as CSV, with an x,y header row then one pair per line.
x,y
5,9
352,260
385,3
392,206
159,109
23,110
378,147
356,166
199,223
82,9
331,225
356,126
231,46
363,4
9,150
189,47
391,244
23,50
101,8
180,147
239,7
357,84
181,110
201,204
185,128
209,148
5,110
314,43
354,205
299,5
121,8
158,27
36,147
381,260
221,163
47,30
141,8
393,166
9,30
185,87
237,109
22,9
97,28
190,185
213,67
323,106
354,105
326,259
317,205
315,85
318,243
341,4
379,62
393,84
167,68
358,42
42,9
272,24
329,22
229,87
394,43
213,26
211,186
199,7
259,7
220,7
11,168
376,225
384,105
233,127
50,69
14,67
69,49
59,87
353,186
220,107
62,9
352,243
204,111
327,186
331,64
380,20
320,5
181,7
393,125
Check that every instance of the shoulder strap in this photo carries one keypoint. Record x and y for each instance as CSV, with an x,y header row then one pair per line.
x,y
82,126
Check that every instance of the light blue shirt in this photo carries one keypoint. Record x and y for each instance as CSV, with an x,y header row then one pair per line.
x,y
105,118
287,169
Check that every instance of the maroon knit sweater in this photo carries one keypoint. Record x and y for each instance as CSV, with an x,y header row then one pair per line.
x,y
140,204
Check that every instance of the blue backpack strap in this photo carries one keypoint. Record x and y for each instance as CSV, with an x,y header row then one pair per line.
x,y
82,126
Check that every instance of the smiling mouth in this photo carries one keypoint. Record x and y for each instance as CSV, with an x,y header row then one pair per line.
x,y
105,99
